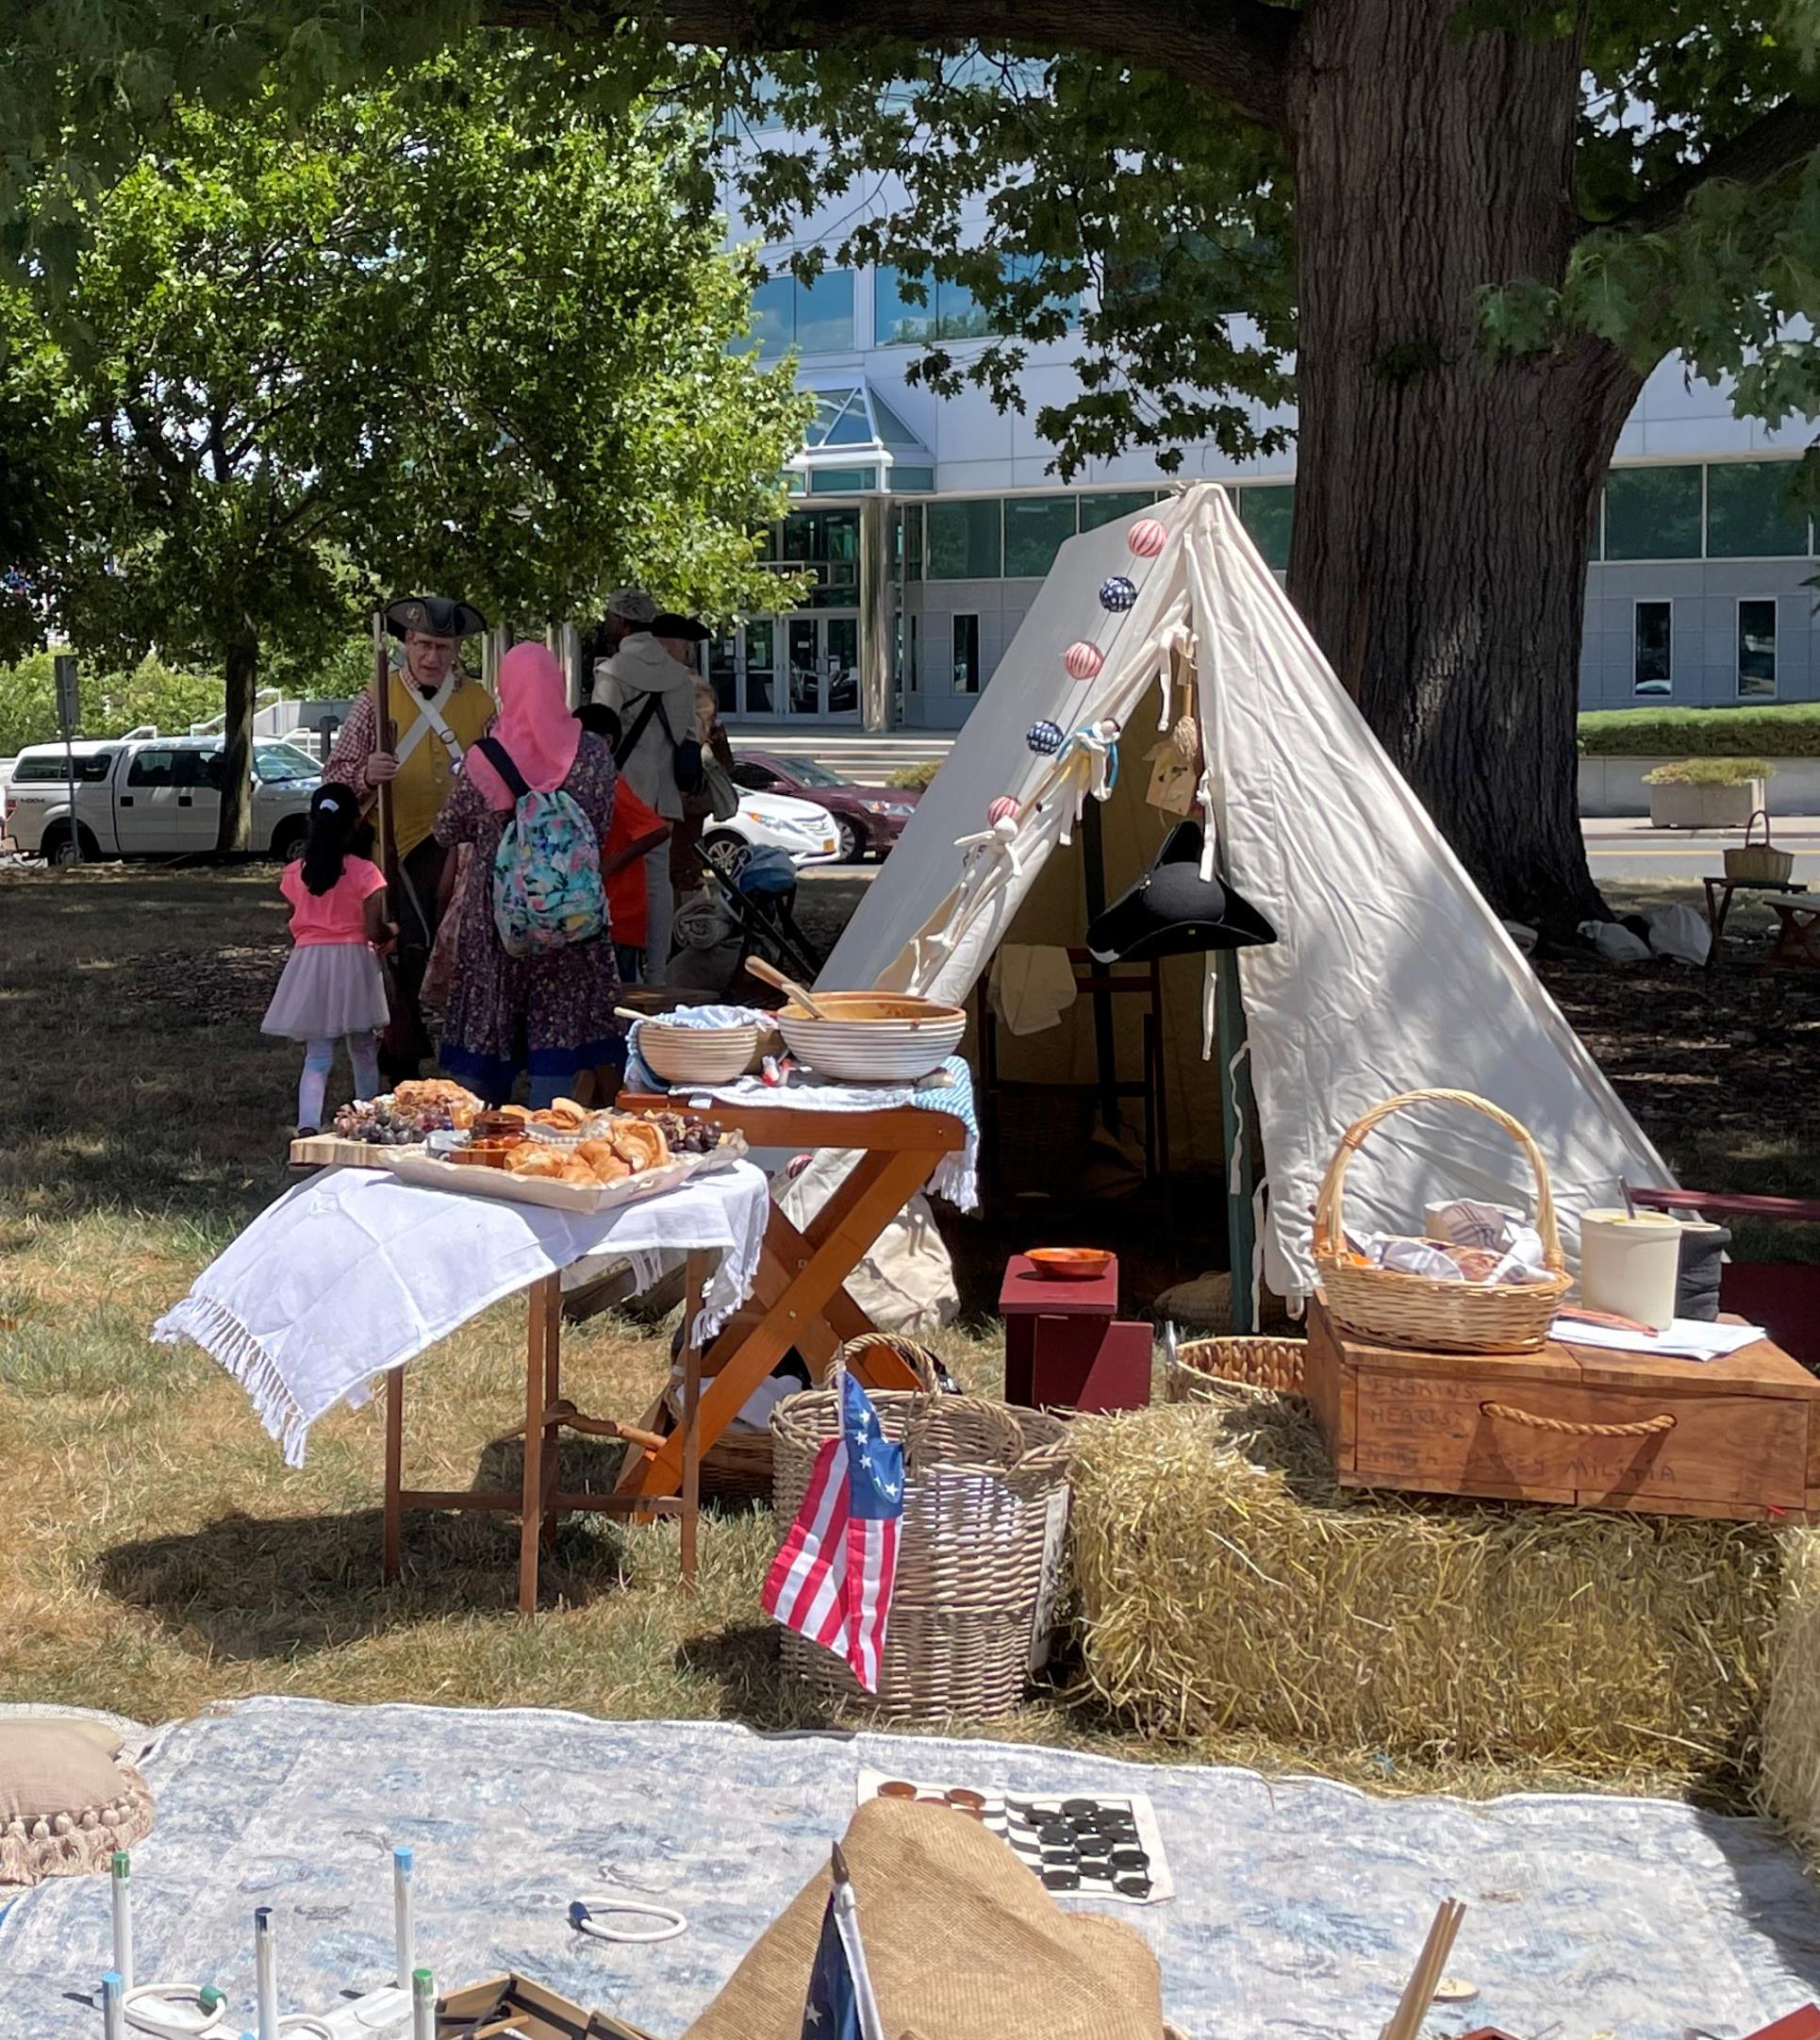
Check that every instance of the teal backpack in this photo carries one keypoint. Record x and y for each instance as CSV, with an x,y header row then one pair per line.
x,y
547,890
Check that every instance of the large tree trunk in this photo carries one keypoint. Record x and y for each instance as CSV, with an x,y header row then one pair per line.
x,y
1443,500
242,661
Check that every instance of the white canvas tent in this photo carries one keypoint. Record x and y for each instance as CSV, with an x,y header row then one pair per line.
x,y
1391,974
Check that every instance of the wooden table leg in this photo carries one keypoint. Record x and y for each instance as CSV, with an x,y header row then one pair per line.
x,y
548,1297
838,1236
531,1492
390,1547
695,1282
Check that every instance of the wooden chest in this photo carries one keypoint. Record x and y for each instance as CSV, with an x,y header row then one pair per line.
x,y
1737,1438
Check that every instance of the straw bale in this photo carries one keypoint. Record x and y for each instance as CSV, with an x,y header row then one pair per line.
x,y
1789,1785
1229,1587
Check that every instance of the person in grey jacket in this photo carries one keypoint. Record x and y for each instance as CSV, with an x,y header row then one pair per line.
x,y
652,692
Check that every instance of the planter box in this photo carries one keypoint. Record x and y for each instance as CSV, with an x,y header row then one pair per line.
x,y
1613,786
1704,807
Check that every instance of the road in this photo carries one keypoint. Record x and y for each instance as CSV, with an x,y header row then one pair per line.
x,y
1633,850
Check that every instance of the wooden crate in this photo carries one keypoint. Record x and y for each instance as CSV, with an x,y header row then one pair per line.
x,y
1745,1443
502,2006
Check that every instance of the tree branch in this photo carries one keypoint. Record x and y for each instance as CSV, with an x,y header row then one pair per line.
x,y
1234,50
1775,141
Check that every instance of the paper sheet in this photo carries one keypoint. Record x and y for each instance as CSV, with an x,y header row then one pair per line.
x,y
1686,1340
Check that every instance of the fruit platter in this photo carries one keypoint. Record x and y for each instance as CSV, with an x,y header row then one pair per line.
x,y
565,1157
365,1132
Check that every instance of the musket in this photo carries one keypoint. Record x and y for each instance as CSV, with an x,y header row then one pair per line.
x,y
406,1040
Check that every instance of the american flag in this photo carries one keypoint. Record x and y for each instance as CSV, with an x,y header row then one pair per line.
x,y
832,1579
840,2004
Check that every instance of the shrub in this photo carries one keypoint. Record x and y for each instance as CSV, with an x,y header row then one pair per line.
x,y
915,775
1789,730
1709,772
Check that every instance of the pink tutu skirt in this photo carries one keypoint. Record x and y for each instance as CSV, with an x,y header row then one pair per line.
x,y
328,989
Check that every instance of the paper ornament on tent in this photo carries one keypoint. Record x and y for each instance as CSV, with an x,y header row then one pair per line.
x,y
1147,537
1003,809
1119,592
1045,739
1083,661
1174,777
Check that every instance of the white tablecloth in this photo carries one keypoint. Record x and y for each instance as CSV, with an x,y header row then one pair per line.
x,y
355,1272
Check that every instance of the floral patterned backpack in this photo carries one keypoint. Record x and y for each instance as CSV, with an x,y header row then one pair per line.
x,y
547,891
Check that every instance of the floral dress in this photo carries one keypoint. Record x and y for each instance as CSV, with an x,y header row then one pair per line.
x,y
552,1014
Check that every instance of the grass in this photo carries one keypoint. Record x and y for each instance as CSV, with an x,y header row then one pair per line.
x,y
1790,730
159,1556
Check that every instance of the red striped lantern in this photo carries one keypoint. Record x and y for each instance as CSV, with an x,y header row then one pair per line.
x,y
1003,809
1146,536
1083,661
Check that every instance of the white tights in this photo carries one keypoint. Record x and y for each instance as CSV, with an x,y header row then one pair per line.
x,y
319,1059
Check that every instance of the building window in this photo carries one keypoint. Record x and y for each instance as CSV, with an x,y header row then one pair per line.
x,y
948,311
1652,513
1036,527
812,318
1757,651
1107,508
911,669
963,540
1748,514
912,481
967,655
1268,515
841,481
1654,648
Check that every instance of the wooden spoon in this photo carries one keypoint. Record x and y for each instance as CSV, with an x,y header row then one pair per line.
x,y
767,974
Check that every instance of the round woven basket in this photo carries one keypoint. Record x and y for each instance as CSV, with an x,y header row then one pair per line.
x,y
1759,864
737,1466
1203,1368
1416,1310
977,1487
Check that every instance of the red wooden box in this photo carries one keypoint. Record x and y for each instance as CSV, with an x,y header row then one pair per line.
x,y
1065,1346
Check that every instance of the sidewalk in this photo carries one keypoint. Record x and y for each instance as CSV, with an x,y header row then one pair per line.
x,y
1633,829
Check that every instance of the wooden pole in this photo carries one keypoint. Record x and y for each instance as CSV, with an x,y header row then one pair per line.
x,y
1238,1121
387,741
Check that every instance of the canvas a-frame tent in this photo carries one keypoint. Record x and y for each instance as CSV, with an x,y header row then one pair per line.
x,y
1391,974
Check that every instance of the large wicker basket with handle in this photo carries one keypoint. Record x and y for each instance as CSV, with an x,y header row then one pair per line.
x,y
1416,1310
985,1490
1759,864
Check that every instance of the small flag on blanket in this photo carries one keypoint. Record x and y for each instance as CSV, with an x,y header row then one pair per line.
x,y
832,1579
840,2004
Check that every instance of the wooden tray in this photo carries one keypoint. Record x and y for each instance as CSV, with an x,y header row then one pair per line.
x,y
414,1166
329,1151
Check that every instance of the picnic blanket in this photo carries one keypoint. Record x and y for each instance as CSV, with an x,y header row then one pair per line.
x,y
355,1272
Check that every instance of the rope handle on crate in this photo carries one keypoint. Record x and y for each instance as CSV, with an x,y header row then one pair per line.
x,y
1329,1230
1644,1427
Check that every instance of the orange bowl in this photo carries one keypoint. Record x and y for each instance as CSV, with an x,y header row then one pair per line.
x,y
1070,1264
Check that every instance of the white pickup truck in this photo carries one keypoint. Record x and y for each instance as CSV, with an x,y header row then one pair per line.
x,y
149,796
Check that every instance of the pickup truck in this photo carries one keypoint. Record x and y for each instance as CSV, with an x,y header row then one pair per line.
x,y
149,796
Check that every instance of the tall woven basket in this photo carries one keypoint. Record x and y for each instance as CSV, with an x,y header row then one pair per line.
x,y
1759,864
1416,1310
978,1483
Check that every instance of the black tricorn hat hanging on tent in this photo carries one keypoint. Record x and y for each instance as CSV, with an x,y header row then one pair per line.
x,y
1173,911
435,616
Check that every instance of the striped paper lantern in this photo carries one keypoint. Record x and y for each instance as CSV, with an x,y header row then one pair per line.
x,y
1083,661
1147,537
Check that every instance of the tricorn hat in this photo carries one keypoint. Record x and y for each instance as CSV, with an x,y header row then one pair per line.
x,y
1173,911
435,615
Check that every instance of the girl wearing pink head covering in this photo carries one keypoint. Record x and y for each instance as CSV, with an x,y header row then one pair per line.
x,y
551,1015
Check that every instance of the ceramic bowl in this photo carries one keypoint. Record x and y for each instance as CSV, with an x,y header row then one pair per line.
x,y
1070,1264
874,1038
697,1054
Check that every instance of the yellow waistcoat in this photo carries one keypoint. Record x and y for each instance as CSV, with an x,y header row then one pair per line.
x,y
424,778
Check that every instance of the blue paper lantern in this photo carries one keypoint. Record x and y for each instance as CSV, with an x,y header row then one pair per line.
x,y
1045,739
1117,593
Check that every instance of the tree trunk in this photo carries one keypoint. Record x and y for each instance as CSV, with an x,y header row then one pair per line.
x,y
242,661
1443,500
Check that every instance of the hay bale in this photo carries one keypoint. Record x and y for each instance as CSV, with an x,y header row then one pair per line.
x,y
1789,1785
1230,1586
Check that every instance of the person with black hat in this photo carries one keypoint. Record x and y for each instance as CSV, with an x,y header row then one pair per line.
x,y
438,712
652,692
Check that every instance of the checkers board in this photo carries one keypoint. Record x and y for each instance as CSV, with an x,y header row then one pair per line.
x,y
1081,1844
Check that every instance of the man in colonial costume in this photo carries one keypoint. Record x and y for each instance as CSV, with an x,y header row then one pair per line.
x,y
436,713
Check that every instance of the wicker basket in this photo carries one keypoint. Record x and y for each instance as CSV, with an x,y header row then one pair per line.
x,y
978,1482
1203,1368
1759,864
1416,1310
737,1466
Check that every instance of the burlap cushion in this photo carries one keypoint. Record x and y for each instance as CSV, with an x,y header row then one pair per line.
x,y
962,1941
67,1801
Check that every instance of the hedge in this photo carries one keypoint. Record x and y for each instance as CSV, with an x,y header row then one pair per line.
x,y
1789,730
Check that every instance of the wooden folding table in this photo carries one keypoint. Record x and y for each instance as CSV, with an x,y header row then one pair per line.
x,y
540,1498
797,1299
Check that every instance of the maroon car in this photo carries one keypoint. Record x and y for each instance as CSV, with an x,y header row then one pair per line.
x,y
867,818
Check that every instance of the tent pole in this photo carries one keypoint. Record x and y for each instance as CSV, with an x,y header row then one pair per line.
x,y
1093,869
1238,1122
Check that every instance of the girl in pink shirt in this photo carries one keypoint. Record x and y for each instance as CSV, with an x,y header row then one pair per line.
x,y
332,988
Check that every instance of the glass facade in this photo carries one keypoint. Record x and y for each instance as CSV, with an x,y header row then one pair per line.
x,y
1036,527
1652,513
813,318
1267,514
964,542
1748,515
1654,649
1757,651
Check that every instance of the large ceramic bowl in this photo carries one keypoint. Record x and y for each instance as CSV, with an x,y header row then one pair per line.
x,y
697,1054
874,1038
